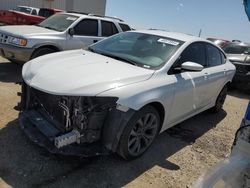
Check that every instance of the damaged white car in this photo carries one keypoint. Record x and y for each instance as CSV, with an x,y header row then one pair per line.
x,y
121,92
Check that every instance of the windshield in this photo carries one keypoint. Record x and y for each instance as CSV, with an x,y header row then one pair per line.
x,y
145,50
24,9
236,49
58,22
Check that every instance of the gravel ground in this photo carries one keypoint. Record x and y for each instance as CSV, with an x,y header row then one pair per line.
x,y
176,159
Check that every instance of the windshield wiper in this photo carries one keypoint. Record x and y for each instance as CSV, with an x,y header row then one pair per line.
x,y
114,57
47,27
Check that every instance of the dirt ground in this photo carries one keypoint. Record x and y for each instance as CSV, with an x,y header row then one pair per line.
x,y
176,159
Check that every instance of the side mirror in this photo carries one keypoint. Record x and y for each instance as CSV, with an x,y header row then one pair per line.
x,y
191,66
71,31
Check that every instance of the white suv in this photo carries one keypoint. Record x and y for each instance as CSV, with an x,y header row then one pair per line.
x,y
62,31
122,92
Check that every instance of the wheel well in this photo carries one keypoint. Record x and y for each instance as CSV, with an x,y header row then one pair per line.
x,y
228,83
160,109
46,46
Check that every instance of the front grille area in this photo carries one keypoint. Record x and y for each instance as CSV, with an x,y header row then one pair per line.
x,y
82,113
49,105
4,39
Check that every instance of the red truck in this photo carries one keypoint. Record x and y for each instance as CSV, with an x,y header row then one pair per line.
x,y
24,15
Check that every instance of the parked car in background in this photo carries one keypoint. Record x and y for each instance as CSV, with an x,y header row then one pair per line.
x,y
239,55
219,42
121,92
236,40
24,15
62,31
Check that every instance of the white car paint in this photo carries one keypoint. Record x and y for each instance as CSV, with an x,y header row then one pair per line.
x,y
88,74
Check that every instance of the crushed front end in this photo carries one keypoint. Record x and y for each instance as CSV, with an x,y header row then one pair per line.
x,y
69,125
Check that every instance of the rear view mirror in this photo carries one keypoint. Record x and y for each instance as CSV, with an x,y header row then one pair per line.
x,y
191,66
71,31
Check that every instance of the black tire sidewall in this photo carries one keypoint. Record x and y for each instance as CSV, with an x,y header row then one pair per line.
x,y
123,143
217,108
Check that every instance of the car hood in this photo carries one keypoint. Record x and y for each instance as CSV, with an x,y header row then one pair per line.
x,y
80,73
25,30
238,58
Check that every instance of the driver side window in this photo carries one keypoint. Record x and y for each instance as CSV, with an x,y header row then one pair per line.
x,y
195,52
87,27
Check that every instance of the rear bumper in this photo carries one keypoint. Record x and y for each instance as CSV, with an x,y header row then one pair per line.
x,y
14,53
43,132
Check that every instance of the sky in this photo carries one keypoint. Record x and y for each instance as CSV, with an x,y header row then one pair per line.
x,y
225,19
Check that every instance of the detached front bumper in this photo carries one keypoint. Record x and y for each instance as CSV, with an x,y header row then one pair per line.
x,y
14,53
42,132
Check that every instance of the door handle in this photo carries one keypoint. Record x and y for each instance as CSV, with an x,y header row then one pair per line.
x,y
94,41
205,75
225,71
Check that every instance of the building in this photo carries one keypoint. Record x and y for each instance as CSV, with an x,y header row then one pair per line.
x,y
87,6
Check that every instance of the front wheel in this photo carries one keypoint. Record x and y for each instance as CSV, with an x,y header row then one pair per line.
x,y
220,100
139,133
42,51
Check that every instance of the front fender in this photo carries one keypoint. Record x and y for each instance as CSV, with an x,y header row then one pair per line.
x,y
113,128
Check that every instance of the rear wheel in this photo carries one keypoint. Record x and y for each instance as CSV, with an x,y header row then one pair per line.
x,y
139,133
220,100
42,51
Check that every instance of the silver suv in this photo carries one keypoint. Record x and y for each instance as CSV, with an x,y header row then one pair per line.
x,y
63,31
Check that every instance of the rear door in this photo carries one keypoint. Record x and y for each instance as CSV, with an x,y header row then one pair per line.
x,y
216,71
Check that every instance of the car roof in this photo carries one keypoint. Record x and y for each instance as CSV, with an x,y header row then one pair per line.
x,y
86,15
179,36
27,7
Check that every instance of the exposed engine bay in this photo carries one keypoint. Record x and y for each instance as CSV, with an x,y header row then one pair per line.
x,y
76,119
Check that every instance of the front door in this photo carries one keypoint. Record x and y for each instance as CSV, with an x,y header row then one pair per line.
x,y
86,32
190,87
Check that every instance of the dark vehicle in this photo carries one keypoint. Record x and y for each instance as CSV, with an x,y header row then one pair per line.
x,y
239,55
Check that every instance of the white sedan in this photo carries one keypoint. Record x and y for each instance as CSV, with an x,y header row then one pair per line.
x,y
121,92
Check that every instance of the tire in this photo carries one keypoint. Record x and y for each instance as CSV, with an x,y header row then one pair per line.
x,y
220,100
139,133
42,51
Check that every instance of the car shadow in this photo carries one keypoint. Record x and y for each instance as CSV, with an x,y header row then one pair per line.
x,y
24,164
10,72
239,94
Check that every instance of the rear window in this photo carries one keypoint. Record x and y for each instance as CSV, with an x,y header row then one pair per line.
x,y
45,12
213,56
125,27
108,28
